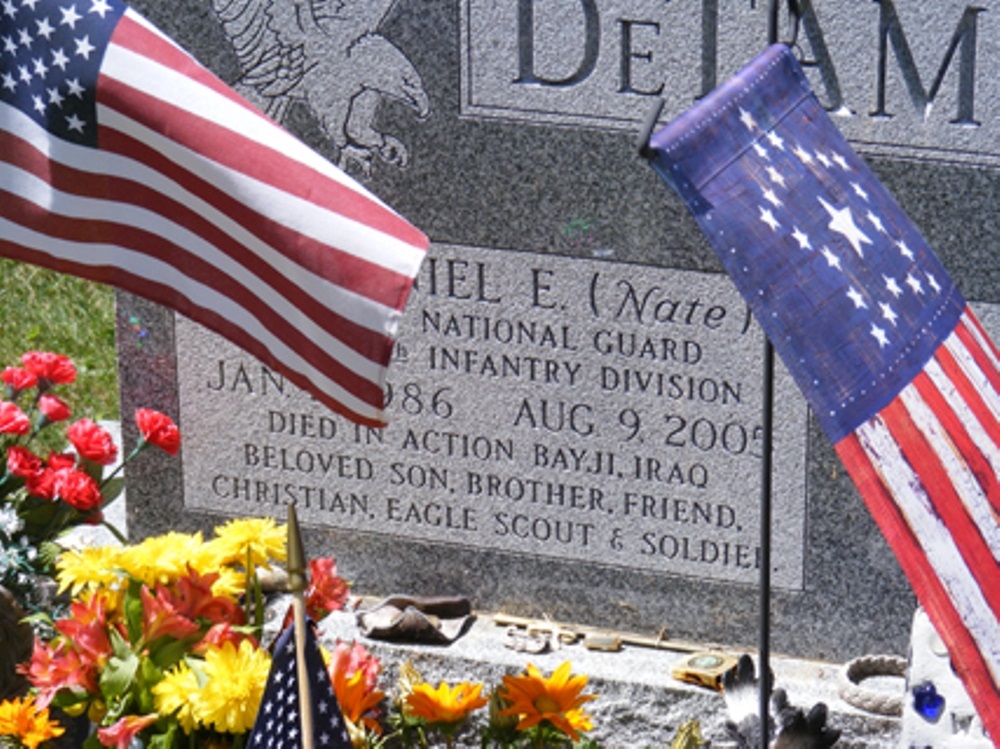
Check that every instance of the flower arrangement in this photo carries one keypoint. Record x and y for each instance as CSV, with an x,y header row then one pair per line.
x,y
161,645
43,498
162,638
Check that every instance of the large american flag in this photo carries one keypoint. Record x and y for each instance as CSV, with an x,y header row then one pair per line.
x,y
124,161
279,720
895,366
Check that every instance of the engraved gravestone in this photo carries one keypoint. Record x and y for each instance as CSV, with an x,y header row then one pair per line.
x,y
576,392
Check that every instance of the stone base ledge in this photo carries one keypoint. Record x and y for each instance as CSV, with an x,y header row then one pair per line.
x,y
640,704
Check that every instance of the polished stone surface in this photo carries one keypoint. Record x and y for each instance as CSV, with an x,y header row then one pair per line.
x,y
582,192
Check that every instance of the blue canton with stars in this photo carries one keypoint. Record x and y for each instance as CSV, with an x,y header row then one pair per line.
x,y
50,54
278,723
841,281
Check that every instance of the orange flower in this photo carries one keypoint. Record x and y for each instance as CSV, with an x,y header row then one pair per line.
x,y
445,705
358,703
194,599
347,659
556,699
57,667
327,590
161,617
218,635
23,719
86,628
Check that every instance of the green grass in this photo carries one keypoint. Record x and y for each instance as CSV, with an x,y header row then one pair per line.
x,y
47,311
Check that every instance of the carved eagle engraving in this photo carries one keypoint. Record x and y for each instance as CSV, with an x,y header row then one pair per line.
x,y
330,55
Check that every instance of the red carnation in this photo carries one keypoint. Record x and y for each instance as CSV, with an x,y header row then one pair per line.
x,y
54,368
92,442
22,462
42,484
17,379
12,419
78,489
158,429
53,408
57,461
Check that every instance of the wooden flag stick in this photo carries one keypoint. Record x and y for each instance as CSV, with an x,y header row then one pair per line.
x,y
297,585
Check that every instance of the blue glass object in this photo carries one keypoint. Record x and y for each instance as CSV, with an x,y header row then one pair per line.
x,y
927,702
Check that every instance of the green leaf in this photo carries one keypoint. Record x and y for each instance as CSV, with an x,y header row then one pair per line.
x,y
133,610
119,675
163,740
168,652
149,675
120,647
111,489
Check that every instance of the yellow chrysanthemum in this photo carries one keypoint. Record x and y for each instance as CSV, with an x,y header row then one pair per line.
x,y
261,538
175,694
231,583
234,687
445,705
22,719
556,699
161,559
89,568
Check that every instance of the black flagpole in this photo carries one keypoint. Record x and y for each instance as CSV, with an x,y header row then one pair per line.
x,y
767,426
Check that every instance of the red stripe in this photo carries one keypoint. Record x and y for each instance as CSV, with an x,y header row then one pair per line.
x,y
167,296
370,344
343,269
147,244
966,658
969,318
250,157
924,461
142,40
969,393
981,358
959,437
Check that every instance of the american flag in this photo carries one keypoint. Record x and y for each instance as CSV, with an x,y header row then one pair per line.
x,y
124,161
278,723
898,371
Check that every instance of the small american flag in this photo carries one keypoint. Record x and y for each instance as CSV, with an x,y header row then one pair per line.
x,y
124,161
897,369
278,723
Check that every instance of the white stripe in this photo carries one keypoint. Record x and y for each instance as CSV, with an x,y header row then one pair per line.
x,y
976,375
934,539
118,63
344,302
98,255
965,415
176,89
967,486
970,322
31,188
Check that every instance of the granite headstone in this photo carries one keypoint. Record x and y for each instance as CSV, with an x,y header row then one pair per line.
x,y
576,393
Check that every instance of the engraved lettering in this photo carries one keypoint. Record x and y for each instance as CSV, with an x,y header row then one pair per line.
x,y
526,46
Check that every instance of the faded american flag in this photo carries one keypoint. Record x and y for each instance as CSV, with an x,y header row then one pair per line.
x,y
898,371
124,161
278,723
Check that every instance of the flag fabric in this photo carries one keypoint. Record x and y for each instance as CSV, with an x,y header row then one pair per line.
x,y
124,161
278,723
898,371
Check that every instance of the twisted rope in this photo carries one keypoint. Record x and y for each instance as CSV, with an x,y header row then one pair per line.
x,y
859,669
